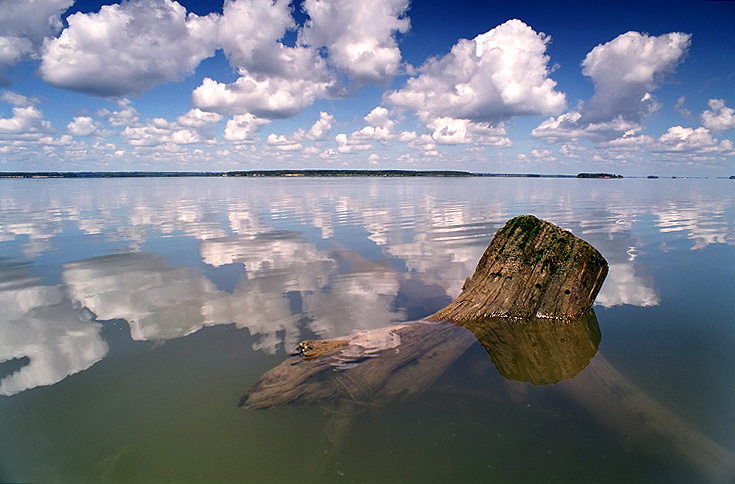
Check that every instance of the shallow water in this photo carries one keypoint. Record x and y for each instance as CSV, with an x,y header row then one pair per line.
x,y
136,312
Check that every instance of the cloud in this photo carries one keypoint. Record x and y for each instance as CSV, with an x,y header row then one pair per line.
x,y
495,76
359,37
15,99
250,30
128,48
195,126
347,144
24,25
125,116
679,107
571,126
689,140
423,143
283,143
26,123
82,126
276,80
450,131
626,69
12,50
319,131
624,72
196,118
262,96
718,117
244,128
379,127
542,154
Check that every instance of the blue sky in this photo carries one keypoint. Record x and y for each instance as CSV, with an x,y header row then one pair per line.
x,y
633,88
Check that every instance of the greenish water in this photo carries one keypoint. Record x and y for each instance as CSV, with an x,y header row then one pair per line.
x,y
136,312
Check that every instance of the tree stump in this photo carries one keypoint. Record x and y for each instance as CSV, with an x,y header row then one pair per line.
x,y
531,268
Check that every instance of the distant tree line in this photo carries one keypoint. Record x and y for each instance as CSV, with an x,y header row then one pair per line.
x,y
252,173
598,175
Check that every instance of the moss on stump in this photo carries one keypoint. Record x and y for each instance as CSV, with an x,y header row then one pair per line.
x,y
532,268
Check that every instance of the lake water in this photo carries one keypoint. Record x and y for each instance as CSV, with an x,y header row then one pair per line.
x,y
136,312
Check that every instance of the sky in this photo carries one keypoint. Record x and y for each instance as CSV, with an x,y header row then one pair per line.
x,y
632,88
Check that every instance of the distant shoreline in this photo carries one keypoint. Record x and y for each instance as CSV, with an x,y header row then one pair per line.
x,y
249,173
263,173
304,173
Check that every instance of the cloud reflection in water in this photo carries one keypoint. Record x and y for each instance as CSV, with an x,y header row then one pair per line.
x,y
315,257
41,324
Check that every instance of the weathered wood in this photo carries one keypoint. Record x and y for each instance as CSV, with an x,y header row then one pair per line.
x,y
532,268
372,368
528,303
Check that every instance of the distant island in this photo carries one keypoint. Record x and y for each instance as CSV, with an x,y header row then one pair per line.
x,y
286,173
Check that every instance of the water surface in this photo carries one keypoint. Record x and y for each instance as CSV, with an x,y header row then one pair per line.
x,y
137,311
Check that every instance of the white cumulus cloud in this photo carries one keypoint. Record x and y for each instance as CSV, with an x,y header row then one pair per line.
x,y
250,31
283,143
354,40
195,126
244,128
690,140
276,80
451,131
320,129
718,117
266,97
26,121
128,48
346,144
127,115
81,126
624,72
379,126
359,36
495,76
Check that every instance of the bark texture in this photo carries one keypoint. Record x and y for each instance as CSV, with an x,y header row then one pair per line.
x,y
532,268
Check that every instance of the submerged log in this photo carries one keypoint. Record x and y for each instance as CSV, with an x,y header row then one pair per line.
x,y
532,268
369,368
640,419
529,304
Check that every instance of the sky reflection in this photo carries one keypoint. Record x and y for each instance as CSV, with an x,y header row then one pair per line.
x,y
305,258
